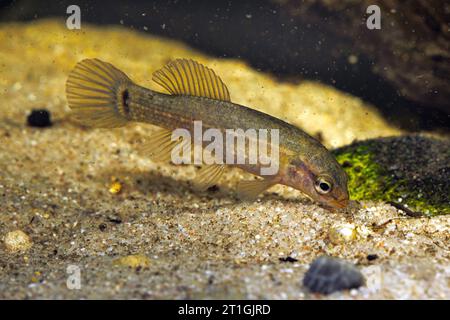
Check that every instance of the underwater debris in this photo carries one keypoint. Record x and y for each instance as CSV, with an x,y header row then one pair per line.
x,y
115,187
135,261
410,171
17,241
327,275
39,118
37,277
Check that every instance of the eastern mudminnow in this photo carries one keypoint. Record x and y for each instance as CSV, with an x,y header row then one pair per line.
x,y
103,96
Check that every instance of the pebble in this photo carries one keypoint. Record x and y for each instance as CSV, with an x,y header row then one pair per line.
x,y
372,257
342,233
17,241
39,118
287,259
327,275
115,187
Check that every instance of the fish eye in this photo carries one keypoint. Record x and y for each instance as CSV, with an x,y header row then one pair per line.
x,y
323,186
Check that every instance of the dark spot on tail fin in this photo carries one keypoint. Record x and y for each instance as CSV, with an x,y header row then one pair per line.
x,y
94,93
125,101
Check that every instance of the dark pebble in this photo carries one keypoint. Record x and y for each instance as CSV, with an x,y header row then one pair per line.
x,y
327,275
39,118
288,259
372,257
102,226
115,219
213,188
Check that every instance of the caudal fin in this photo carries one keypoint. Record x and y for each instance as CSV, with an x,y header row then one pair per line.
x,y
97,93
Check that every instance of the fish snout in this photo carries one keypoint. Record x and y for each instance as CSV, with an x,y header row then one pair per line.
x,y
339,203
343,198
342,203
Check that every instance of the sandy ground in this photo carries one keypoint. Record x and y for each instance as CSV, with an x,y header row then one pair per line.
x,y
55,187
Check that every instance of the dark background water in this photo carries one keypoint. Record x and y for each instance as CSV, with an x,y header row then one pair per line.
x,y
255,31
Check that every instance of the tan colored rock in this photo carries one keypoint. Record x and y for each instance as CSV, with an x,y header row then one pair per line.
x,y
342,233
17,241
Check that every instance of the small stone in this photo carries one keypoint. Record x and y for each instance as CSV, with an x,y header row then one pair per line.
x,y
16,241
135,261
362,232
327,275
115,219
372,257
342,233
39,118
115,187
287,259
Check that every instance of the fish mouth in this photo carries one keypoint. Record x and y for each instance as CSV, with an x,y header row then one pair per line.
x,y
342,203
337,204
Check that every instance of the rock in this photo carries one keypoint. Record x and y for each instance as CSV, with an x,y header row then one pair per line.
x,y
410,172
342,233
287,259
17,241
39,118
372,257
327,275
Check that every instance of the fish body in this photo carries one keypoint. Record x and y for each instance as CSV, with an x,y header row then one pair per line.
x,y
103,96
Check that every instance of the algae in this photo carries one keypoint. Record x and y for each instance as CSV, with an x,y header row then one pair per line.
x,y
419,183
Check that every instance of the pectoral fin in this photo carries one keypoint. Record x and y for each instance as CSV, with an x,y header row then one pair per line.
x,y
250,189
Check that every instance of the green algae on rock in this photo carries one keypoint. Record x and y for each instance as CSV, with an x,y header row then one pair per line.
x,y
411,172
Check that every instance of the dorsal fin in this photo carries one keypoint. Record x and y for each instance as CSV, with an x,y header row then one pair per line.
x,y
187,77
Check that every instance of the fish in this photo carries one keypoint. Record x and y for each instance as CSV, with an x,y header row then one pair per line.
x,y
102,96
